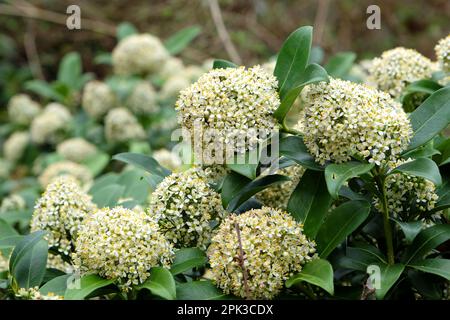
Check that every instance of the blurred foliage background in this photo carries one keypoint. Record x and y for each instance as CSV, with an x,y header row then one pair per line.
x,y
34,37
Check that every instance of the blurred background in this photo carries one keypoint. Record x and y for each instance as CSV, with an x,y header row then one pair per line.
x,y
34,37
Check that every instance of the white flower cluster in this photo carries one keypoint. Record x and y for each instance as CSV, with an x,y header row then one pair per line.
x,y
51,124
442,50
97,99
277,196
22,110
174,85
274,248
398,67
14,147
185,207
13,202
143,99
121,126
76,149
234,104
66,168
121,244
60,211
343,119
167,159
139,54
34,294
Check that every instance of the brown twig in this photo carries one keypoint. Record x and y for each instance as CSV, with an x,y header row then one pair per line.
x,y
31,51
320,20
222,31
242,261
367,291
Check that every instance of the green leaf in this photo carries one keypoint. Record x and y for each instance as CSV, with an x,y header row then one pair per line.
x,y
232,184
423,86
223,64
9,242
97,162
6,230
294,148
144,162
124,30
318,272
312,74
340,64
440,267
87,285
57,286
310,202
410,229
43,89
430,118
337,174
340,223
444,197
70,70
292,59
361,256
388,277
252,188
421,167
425,151
199,290
160,283
181,39
136,187
29,260
186,259
108,196
426,241
246,164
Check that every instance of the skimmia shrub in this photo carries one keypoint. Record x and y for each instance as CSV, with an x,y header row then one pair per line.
x,y
286,180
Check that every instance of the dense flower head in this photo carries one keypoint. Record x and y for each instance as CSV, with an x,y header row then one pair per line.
x,y
405,193
142,99
35,294
167,159
277,196
234,103
273,245
174,85
345,119
13,202
97,99
60,211
442,50
139,54
121,244
22,110
14,147
398,67
122,126
76,149
66,168
171,67
51,124
185,207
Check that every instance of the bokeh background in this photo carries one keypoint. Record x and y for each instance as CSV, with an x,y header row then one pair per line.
x,y
34,37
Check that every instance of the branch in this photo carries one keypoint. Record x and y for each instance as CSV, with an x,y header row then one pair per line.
x,y
29,41
242,261
320,20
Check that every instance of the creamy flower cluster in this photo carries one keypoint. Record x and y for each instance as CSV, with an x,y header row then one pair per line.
x,y
15,146
60,211
34,294
51,124
398,67
139,54
121,244
233,103
121,126
277,196
97,99
76,149
404,192
185,207
442,50
13,202
142,99
66,168
274,248
22,110
343,119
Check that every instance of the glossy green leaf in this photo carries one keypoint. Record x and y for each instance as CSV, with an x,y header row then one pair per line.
x,y
294,148
423,86
440,267
318,272
223,64
97,162
125,29
199,290
339,65
310,202
410,229
430,118
246,164
388,277
43,89
147,163
233,183
181,39
108,196
161,283
186,259
337,174
85,287
361,256
422,167
70,70
340,223
56,286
